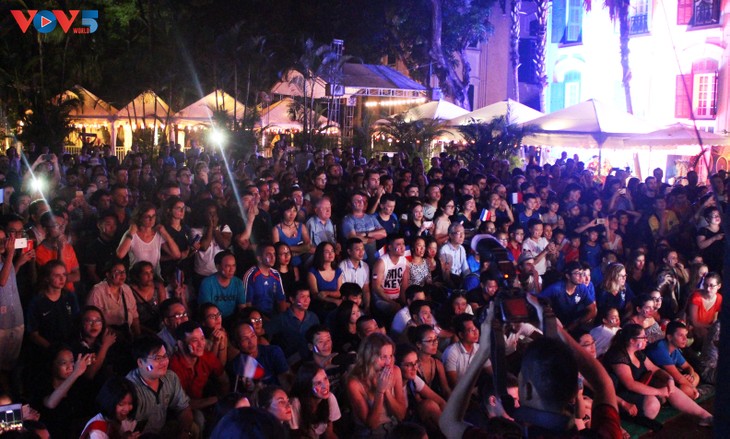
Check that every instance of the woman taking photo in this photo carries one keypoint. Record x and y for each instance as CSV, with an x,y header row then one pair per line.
x,y
147,294
314,407
416,225
116,401
642,383
292,232
430,368
375,388
146,240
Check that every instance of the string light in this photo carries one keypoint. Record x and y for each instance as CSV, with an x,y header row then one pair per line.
x,y
394,102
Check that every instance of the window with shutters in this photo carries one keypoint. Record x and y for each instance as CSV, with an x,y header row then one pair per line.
x,y
639,11
574,27
566,21
705,13
572,88
696,92
704,101
684,11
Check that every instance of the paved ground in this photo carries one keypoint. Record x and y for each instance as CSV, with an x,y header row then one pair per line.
x,y
684,426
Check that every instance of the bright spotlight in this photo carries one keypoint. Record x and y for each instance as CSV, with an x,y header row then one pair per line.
x,y
38,185
217,137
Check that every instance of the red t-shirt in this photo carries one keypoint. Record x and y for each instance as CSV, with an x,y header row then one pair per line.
x,y
193,381
705,316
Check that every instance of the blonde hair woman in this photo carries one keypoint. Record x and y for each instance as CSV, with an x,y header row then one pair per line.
x,y
375,388
614,291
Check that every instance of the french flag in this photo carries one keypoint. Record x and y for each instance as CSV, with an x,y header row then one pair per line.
x,y
252,369
485,215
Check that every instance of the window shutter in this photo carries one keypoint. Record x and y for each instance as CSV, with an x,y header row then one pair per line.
x,y
558,23
684,11
714,96
575,21
557,96
683,97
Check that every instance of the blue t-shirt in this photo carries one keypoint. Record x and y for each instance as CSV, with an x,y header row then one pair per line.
x,y
226,298
568,308
659,354
606,300
263,291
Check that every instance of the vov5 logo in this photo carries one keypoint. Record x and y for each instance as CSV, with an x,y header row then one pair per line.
x,y
46,21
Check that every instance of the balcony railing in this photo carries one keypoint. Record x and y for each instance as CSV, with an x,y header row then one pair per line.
x,y
639,24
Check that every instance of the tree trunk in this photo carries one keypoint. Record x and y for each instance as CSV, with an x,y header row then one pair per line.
x,y
449,81
514,52
540,50
624,38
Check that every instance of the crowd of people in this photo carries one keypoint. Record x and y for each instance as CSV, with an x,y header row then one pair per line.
x,y
325,294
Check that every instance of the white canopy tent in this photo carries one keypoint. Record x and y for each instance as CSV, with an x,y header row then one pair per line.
x,y
276,117
591,124
435,110
513,110
91,115
146,110
200,113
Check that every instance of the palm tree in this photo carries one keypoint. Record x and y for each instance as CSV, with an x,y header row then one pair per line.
x,y
514,47
493,140
541,50
413,137
618,10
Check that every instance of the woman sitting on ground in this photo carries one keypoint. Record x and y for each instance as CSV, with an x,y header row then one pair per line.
x,y
642,383
644,310
422,403
430,369
704,306
117,401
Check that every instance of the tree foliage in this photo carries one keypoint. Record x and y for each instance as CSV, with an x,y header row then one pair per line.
x,y
412,137
493,140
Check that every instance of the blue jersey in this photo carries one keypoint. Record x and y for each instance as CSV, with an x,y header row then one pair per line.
x,y
226,298
263,291
568,308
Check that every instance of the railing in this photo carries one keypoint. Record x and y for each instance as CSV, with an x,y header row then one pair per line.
x,y
120,152
639,24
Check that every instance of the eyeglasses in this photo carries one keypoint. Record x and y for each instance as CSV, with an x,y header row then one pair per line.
x,y
712,285
93,321
577,273
412,365
214,316
259,320
430,341
641,338
118,272
158,358
177,316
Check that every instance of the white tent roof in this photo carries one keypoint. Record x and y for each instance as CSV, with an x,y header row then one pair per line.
x,y
201,111
589,124
276,115
515,112
435,110
91,109
675,135
146,107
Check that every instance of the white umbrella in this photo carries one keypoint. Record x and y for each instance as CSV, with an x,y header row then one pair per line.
x,y
513,110
434,110
677,134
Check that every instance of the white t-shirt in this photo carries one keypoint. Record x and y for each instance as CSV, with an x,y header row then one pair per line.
x,y
603,335
400,321
420,384
511,341
535,248
127,425
204,263
319,429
